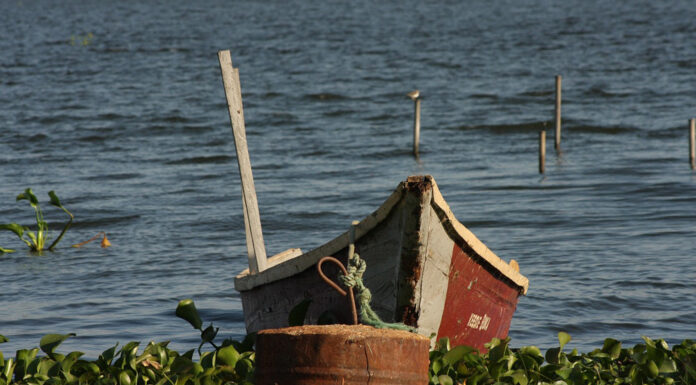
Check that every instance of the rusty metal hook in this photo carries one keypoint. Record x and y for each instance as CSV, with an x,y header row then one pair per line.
x,y
338,288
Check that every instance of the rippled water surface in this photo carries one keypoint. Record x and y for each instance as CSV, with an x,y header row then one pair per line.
x,y
120,109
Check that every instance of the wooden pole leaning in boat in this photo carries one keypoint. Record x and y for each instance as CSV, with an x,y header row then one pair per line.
x,y
558,112
415,96
542,151
692,143
252,219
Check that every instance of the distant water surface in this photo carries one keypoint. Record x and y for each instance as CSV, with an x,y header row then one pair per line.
x,y
120,109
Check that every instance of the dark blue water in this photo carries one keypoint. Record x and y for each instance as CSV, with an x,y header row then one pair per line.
x,y
120,109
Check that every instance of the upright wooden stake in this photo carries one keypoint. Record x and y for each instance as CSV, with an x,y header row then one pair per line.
x,y
252,220
558,112
415,96
416,128
692,145
542,151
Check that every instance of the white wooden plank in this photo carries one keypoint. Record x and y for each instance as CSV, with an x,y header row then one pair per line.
x,y
435,276
283,256
247,231
233,93
479,247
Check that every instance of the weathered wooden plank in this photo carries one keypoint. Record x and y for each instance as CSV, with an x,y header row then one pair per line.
x,y
283,256
247,231
252,219
435,273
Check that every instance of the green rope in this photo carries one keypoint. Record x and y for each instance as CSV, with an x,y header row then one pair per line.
x,y
356,268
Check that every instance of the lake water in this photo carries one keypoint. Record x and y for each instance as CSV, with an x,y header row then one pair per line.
x,y
120,109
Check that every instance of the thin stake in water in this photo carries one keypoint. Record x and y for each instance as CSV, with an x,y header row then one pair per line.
x,y
692,145
415,96
558,112
542,151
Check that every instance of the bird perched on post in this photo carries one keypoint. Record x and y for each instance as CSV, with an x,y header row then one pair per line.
x,y
413,94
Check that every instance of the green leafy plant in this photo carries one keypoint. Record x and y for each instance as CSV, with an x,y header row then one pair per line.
x,y
649,363
36,240
233,362
234,358
155,364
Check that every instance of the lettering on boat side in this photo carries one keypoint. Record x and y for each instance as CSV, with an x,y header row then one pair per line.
x,y
479,322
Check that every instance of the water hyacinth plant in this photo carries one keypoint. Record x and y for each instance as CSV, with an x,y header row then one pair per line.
x,y
36,240
233,362
651,362
155,364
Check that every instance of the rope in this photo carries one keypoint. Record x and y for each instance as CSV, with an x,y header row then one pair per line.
x,y
356,268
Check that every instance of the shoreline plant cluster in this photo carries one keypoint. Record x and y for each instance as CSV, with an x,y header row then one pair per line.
x,y
232,362
651,362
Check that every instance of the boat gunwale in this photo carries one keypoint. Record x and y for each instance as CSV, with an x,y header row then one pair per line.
x,y
280,268
464,234
284,269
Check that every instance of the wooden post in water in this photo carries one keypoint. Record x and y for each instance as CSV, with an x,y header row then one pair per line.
x,y
542,151
252,219
692,145
415,96
558,112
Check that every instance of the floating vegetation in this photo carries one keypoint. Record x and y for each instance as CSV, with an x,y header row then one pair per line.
x,y
233,362
81,39
651,362
36,240
155,364
104,242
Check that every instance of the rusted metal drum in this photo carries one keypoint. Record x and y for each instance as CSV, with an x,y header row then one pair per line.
x,y
340,354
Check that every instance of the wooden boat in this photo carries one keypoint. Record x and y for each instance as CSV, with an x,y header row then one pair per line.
x,y
424,268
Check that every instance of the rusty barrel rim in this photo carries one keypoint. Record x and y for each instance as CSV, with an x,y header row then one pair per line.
x,y
341,354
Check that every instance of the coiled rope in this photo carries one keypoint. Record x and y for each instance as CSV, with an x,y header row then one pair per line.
x,y
352,278
356,268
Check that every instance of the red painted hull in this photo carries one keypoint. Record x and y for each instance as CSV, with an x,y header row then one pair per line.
x,y
479,306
